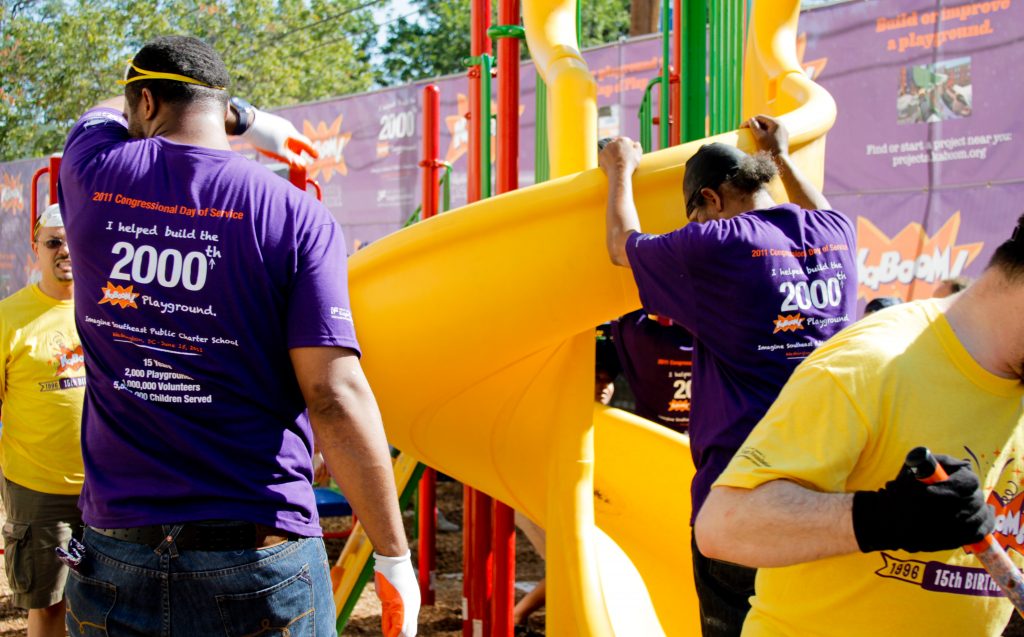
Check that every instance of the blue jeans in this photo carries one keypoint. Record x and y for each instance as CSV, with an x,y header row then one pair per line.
x,y
123,588
723,593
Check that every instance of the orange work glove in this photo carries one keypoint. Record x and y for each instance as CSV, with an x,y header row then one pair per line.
x,y
399,594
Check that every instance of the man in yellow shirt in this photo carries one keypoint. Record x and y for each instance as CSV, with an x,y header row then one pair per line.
x,y
42,381
811,499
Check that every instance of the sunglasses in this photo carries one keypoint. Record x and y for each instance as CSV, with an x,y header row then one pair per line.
x,y
53,243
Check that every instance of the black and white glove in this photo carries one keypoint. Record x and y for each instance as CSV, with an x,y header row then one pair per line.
x,y
909,515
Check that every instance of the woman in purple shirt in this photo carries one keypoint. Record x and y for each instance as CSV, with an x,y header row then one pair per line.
x,y
758,284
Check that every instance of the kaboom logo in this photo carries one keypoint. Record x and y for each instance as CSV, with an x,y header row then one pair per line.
x,y
910,264
11,197
122,297
330,142
1009,531
458,128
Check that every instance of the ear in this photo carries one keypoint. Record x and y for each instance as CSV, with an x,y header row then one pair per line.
x,y
713,199
35,247
148,105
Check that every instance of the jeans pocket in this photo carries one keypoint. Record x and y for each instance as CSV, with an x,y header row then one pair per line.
x,y
89,604
17,558
285,609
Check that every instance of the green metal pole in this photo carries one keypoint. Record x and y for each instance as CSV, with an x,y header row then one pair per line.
x,y
663,92
485,126
579,23
738,33
646,115
716,66
541,163
446,188
367,574
732,36
693,76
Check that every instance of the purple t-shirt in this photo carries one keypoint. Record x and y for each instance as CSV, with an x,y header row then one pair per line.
x,y
657,361
196,271
759,292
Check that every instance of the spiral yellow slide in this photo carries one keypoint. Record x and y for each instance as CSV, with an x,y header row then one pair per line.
x,y
477,329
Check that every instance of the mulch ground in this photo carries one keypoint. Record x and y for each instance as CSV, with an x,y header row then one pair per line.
x,y
444,619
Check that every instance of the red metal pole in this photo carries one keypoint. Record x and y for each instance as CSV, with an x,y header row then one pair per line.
x,y
504,537
428,483
467,557
34,202
431,144
54,176
316,186
297,175
427,541
477,570
675,135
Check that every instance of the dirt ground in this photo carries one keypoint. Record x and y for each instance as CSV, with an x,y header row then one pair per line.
x,y
444,619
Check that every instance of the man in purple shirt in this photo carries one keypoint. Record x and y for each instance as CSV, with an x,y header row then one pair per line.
x,y
213,300
657,361
759,285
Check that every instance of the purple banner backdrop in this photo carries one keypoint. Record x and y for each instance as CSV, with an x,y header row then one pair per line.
x,y
17,263
370,145
920,158
924,149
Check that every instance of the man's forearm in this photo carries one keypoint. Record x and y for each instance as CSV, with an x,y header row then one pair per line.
x,y
798,188
622,219
351,437
776,524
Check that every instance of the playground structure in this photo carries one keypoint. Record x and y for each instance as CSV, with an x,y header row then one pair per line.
x,y
477,334
477,329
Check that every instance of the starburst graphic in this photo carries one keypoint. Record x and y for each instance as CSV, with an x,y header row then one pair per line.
x,y
11,197
910,264
69,360
812,68
122,297
788,323
330,142
458,129
1009,534
679,405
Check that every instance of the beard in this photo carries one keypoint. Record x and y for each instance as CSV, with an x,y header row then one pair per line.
x,y
61,273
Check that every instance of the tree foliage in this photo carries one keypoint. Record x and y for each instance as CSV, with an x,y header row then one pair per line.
x,y
59,57
435,39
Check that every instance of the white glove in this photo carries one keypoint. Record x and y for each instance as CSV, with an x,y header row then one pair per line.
x,y
399,594
276,137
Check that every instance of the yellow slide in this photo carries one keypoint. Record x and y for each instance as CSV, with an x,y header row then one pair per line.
x,y
477,331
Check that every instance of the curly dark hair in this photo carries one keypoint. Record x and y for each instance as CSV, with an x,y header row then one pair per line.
x,y
183,55
1009,257
754,172
751,174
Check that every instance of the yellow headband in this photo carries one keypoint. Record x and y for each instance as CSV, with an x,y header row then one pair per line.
x,y
153,75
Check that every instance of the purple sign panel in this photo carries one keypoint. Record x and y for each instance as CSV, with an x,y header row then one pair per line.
x,y
17,263
923,150
370,148
370,144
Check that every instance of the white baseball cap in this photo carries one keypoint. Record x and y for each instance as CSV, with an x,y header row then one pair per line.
x,y
50,218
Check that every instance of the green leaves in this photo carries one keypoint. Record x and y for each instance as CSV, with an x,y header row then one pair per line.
x,y
57,58
434,40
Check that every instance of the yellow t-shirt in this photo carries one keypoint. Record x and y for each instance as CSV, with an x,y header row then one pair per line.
x,y
844,422
42,385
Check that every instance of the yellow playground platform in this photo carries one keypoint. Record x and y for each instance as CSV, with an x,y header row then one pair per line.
x,y
477,332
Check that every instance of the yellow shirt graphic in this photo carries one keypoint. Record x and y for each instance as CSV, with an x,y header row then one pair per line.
x,y
844,422
42,385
